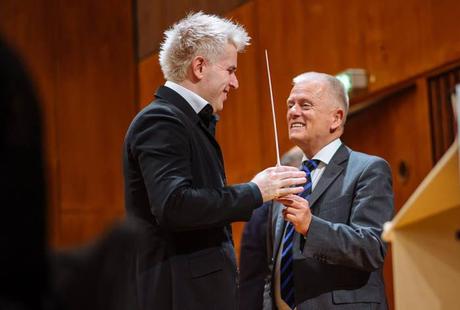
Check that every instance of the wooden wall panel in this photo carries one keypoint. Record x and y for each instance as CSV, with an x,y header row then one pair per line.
x,y
392,39
95,103
30,27
389,39
82,60
441,86
150,78
386,130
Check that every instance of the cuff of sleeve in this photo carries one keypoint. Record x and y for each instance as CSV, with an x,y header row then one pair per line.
x,y
256,193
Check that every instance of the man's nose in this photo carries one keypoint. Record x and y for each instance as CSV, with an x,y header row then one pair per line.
x,y
294,110
234,81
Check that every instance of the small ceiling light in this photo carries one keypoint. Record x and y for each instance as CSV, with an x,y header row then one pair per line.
x,y
354,79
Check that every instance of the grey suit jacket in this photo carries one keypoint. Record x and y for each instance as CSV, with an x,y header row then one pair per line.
x,y
338,265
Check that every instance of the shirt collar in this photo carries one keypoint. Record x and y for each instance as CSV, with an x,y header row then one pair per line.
x,y
196,102
325,154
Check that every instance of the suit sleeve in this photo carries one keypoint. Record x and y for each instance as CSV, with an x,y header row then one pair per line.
x,y
356,244
254,259
161,145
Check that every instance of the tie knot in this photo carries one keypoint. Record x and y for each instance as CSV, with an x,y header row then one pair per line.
x,y
309,165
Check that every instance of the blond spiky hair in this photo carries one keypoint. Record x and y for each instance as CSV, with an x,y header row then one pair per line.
x,y
198,34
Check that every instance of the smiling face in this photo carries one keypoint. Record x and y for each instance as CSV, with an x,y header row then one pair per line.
x,y
219,77
314,118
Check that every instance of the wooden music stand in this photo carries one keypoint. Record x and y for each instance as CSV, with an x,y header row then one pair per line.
x,y
425,237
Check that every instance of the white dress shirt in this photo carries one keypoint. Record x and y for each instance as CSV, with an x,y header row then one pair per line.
x,y
196,102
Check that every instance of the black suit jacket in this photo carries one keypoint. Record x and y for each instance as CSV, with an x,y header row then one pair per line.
x,y
175,188
339,263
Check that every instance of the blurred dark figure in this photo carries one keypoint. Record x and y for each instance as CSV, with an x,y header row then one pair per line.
x,y
23,268
99,275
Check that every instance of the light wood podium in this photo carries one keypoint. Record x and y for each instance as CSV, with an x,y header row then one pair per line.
x,y
425,237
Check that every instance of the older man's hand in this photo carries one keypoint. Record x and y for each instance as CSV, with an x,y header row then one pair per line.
x,y
297,211
279,181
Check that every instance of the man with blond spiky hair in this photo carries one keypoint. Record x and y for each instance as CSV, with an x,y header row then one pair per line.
x,y
175,183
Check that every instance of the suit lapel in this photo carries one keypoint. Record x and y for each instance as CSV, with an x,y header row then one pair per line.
x,y
333,170
216,148
211,138
182,105
278,223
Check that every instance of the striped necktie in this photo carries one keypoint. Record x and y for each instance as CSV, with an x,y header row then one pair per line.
x,y
286,270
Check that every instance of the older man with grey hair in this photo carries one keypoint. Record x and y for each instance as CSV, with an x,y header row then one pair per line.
x,y
175,183
326,245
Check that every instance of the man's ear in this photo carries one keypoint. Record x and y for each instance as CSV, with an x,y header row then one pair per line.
x,y
198,64
337,119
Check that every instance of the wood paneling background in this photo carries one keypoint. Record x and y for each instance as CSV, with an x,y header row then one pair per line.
x,y
441,86
81,58
96,101
30,27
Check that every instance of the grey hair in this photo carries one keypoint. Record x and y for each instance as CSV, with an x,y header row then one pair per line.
x,y
198,34
335,86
